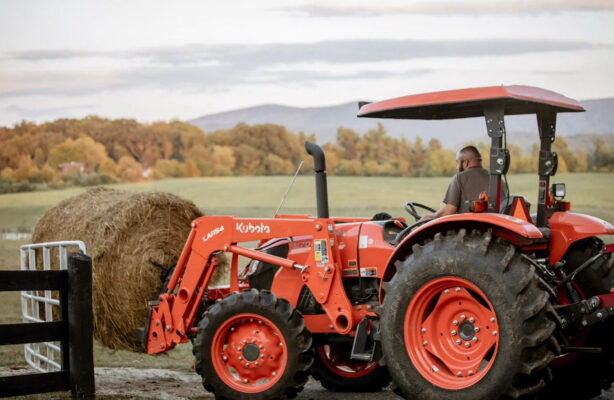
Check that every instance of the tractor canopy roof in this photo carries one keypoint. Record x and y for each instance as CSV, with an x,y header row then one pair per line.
x,y
466,103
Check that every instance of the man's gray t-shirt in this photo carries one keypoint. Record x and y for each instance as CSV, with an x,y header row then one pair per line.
x,y
467,186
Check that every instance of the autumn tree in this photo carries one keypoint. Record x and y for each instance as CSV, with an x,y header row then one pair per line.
x,y
130,170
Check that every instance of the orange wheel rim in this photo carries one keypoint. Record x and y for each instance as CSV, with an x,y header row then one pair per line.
x,y
249,353
451,333
335,358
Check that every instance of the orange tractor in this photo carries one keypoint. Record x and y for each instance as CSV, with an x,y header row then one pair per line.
x,y
490,303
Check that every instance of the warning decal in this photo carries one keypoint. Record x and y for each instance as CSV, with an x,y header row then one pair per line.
x,y
321,251
369,271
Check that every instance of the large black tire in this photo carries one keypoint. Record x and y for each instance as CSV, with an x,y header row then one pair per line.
x,y
507,282
584,375
598,278
335,379
282,324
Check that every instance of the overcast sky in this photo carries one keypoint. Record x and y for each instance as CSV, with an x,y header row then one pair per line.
x,y
158,60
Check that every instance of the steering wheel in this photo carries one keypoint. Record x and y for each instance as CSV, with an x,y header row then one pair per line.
x,y
408,229
410,207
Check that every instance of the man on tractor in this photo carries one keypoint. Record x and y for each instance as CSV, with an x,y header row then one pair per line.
x,y
466,186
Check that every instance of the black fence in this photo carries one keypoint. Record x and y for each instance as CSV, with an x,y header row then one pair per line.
x,y
74,330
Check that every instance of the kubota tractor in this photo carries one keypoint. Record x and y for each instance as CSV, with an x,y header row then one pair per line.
x,y
486,304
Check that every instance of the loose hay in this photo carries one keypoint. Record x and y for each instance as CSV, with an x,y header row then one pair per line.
x,y
129,236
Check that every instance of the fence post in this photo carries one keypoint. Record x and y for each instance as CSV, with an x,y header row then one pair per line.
x,y
80,326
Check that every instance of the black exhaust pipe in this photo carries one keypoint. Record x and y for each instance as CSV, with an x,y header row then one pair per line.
x,y
319,165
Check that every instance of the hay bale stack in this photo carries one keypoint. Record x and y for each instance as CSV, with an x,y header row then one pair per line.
x,y
129,236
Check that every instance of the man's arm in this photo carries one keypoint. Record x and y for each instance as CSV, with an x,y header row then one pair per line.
x,y
447,209
452,198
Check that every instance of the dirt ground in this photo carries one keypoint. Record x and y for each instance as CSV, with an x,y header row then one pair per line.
x,y
153,383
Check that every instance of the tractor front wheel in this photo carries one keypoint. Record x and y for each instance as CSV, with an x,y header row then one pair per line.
x,y
465,318
253,346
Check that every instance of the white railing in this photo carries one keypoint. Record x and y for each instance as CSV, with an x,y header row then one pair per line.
x,y
43,357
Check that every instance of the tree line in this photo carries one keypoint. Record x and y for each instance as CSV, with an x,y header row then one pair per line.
x,y
96,150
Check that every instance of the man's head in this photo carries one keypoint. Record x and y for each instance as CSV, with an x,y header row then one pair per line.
x,y
468,157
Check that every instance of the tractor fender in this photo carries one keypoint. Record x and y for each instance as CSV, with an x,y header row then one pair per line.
x,y
567,228
514,230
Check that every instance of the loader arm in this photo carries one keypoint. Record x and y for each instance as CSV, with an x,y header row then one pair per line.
x,y
173,315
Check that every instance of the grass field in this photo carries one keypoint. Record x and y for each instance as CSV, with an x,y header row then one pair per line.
x,y
349,196
258,197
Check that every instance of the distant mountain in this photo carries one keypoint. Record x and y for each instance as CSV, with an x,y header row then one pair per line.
x,y
324,121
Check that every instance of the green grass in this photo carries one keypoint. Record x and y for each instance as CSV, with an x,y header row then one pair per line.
x,y
589,193
258,197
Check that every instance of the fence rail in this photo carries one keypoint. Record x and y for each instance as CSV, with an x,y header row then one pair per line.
x,y
73,331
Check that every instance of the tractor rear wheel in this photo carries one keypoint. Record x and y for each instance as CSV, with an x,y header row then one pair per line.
x,y
252,346
587,374
598,278
337,373
582,376
464,318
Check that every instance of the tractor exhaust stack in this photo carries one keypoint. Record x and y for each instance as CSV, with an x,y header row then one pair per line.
x,y
319,165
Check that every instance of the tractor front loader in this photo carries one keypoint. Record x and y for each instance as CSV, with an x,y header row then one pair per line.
x,y
493,302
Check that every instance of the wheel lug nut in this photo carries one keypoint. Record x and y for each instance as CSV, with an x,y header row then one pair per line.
x,y
477,329
247,364
256,363
455,322
447,291
471,320
434,368
238,349
459,374
259,322
458,341
262,356
492,319
240,358
423,330
494,333
457,289
245,380
253,340
274,373
425,343
470,373
281,344
225,358
463,317
474,339
453,333
232,329
467,344
244,341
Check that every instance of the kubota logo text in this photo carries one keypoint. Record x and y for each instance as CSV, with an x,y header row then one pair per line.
x,y
214,232
249,228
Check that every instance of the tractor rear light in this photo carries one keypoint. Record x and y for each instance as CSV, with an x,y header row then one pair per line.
x,y
479,206
608,248
563,205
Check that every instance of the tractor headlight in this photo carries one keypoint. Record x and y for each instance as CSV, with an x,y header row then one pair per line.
x,y
558,190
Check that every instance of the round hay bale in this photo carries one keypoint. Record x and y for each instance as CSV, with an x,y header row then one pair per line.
x,y
133,239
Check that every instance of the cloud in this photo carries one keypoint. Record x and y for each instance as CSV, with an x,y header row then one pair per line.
x,y
451,8
333,51
29,113
203,67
